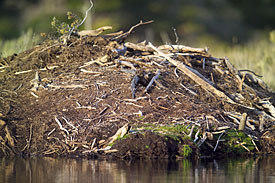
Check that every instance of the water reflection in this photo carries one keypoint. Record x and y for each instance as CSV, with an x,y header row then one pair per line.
x,y
258,170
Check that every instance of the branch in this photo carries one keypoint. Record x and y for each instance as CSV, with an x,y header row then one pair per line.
x,y
124,35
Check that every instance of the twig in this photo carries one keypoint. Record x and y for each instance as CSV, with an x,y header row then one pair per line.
x,y
197,136
241,144
134,85
191,131
83,107
176,35
42,69
262,122
190,91
128,64
30,137
90,72
175,72
130,103
245,70
86,15
135,61
67,86
254,143
28,141
70,124
103,110
33,94
152,81
51,131
60,126
93,143
204,137
218,142
135,100
124,35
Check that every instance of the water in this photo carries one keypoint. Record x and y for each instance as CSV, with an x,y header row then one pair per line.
x,y
49,170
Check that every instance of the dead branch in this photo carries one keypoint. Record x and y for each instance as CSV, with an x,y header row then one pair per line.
x,y
126,34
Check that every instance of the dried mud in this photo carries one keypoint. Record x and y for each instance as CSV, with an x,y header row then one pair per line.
x,y
69,98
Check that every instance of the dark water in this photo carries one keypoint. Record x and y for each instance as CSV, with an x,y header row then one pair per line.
x,y
49,170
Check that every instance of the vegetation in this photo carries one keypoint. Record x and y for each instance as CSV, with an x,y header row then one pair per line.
x,y
186,151
176,132
25,41
237,142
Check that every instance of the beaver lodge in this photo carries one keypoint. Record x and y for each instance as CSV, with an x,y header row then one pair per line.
x,y
94,95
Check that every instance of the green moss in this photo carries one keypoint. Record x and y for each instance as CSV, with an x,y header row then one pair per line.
x,y
186,151
111,144
176,132
118,139
235,140
124,137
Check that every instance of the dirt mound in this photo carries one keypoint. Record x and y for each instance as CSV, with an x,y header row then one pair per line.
x,y
75,96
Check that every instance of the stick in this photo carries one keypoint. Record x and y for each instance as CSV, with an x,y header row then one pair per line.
x,y
86,14
122,36
196,136
218,142
51,132
204,137
190,91
191,131
243,121
93,143
134,86
243,146
70,124
254,143
60,126
28,141
152,81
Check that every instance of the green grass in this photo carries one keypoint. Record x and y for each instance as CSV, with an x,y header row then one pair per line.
x,y
26,41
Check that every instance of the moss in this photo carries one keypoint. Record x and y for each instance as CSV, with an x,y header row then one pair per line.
x,y
186,151
119,139
124,137
176,132
235,140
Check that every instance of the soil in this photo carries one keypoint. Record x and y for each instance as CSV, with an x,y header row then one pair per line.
x,y
67,98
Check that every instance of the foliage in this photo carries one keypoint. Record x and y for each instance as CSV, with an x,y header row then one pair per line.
x,y
63,27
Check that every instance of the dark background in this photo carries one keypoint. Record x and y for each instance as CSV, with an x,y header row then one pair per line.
x,y
229,21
